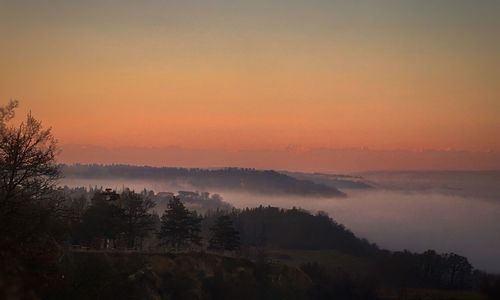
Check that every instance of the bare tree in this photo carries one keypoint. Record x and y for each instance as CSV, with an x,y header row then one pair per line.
x,y
29,221
28,171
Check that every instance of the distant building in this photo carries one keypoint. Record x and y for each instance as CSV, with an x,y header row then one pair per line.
x,y
108,195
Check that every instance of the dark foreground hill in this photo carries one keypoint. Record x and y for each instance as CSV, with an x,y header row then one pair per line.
x,y
101,275
232,179
200,275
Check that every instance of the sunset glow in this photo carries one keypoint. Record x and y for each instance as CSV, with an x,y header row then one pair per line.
x,y
257,75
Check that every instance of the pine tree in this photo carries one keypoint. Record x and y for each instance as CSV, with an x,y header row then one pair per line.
x,y
224,236
137,217
179,227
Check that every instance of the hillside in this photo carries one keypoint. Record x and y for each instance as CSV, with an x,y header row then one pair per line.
x,y
101,275
200,275
332,180
232,179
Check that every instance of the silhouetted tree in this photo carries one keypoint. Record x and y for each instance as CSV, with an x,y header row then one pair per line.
x,y
137,217
458,270
29,219
179,226
28,171
102,222
224,237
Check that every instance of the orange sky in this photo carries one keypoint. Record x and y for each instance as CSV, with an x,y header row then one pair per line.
x,y
258,74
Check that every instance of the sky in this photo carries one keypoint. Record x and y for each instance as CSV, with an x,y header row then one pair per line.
x,y
260,76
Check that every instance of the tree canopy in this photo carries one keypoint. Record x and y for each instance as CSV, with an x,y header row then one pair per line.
x,y
179,226
224,237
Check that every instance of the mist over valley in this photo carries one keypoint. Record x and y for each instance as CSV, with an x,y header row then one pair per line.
x,y
446,211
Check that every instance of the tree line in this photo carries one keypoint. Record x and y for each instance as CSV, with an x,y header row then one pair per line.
x,y
126,221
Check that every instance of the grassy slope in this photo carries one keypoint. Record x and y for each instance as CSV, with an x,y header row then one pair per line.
x,y
329,258
101,275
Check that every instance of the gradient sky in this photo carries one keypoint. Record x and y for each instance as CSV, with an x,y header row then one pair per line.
x,y
247,75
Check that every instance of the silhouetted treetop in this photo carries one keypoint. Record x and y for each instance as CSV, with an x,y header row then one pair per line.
x,y
179,227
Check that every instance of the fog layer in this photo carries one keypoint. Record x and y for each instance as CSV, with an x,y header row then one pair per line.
x,y
417,222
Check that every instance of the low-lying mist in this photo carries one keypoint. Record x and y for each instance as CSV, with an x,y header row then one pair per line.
x,y
417,222
395,220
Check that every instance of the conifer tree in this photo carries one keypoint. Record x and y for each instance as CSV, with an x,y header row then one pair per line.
x,y
137,217
179,226
224,236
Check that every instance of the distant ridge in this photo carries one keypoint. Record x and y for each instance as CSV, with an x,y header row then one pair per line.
x,y
332,180
234,179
